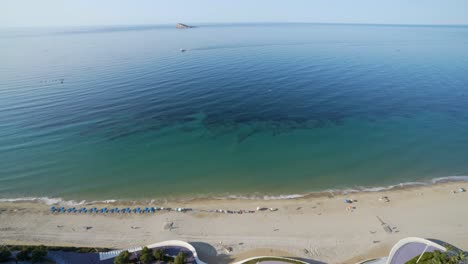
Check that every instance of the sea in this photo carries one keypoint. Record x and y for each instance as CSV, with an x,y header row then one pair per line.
x,y
255,111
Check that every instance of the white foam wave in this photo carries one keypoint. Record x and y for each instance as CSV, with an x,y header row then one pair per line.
x,y
449,179
391,187
263,197
60,201
45,200
109,201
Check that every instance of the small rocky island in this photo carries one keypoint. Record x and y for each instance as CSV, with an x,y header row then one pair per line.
x,y
183,26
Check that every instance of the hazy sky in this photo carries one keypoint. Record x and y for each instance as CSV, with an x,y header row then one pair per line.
x,y
15,13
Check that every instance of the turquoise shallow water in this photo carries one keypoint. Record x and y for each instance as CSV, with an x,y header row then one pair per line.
x,y
121,113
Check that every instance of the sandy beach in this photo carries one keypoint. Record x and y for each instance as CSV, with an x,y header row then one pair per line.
x,y
321,229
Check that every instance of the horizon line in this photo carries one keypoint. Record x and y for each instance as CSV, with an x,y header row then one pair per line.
x,y
234,23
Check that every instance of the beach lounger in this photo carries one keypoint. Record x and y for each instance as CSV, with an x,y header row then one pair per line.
x,y
83,210
53,209
61,210
152,210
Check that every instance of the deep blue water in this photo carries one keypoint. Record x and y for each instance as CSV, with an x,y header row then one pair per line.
x,y
104,113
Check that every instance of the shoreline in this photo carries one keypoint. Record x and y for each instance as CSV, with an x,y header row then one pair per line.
x,y
313,228
228,197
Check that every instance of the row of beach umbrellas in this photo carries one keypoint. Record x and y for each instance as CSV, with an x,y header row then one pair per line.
x,y
116,210
138,210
